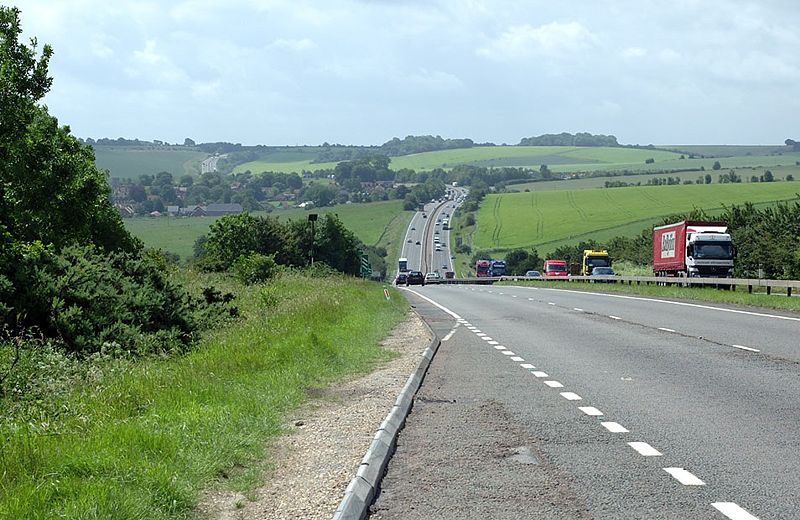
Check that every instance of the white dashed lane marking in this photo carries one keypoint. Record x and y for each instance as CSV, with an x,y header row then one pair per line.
x,y
577,309
486,338
666,329
571,396
614,427
527,365
590,410
645,449
493,342
733,511
554,384
500,347
742,347
540,374
684,477
508,353
517,359
615,317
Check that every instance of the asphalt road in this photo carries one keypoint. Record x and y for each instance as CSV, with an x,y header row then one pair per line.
x,y
547,403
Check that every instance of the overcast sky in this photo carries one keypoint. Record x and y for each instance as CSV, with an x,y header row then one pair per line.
x,y
361,72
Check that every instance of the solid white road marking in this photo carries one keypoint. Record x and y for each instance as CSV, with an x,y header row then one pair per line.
x,y
554,384
527,365
571,396
684,477
733,511
508,353
590,410
644,449
449,335
445,309
666,329
615,317
614,427
742,347
540,374
683,304
517,359
577,309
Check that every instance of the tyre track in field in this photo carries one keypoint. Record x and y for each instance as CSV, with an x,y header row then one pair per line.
x,y
498,225
571,200
611,201
540,219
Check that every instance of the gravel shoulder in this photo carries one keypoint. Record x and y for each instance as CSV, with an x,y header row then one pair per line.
x,y
325,441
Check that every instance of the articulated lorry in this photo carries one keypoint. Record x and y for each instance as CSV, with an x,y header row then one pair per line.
x,y
693,248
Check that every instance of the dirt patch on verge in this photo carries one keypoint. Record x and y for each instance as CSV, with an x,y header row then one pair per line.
x,y
326,440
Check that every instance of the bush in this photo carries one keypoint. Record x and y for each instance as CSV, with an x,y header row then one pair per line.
x,y
255,268
85,300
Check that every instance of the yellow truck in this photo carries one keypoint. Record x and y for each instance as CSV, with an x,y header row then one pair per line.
x,y
594,258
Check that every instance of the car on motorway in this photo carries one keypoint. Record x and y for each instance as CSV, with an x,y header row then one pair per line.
x,y
533,274
408,241
433,278
603,274
415,278
424,215
449,275
401,279
417,243
413,228
438,248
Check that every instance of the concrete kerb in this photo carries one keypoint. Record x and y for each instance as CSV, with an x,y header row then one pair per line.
x,y
362,489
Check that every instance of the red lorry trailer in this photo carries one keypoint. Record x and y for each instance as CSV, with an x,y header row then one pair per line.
x,y
693,248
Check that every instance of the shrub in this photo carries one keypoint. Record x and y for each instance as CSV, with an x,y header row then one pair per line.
x,y
85,299
255,268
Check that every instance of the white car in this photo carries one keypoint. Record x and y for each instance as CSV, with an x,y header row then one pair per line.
x,y
432,278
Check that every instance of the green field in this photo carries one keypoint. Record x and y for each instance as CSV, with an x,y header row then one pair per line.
x,y
558,159
548,219
376,223
130,162
780,172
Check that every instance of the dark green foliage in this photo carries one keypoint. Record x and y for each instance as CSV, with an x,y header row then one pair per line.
x,y
716,166
766,239
234,235
518,261
91,301
254,268
567,139
290,244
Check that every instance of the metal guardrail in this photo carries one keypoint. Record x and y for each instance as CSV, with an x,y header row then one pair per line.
x,y
648,280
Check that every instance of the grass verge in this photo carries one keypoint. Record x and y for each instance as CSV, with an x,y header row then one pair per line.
x,y
740,296
141,439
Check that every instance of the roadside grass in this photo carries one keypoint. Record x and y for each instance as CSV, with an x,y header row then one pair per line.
x,y
740,296
511,220
134,440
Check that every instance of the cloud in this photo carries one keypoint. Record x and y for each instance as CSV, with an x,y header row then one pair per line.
x,y
634,52
300,45
522,41
434,80
152,66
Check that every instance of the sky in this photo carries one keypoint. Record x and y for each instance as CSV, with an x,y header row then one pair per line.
x,y
294,72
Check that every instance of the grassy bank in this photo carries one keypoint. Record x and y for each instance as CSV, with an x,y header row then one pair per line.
x,y
141,439
777,300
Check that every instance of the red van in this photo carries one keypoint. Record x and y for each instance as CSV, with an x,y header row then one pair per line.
x,y
555,268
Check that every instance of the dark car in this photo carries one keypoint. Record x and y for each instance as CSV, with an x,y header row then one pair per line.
x,y
449,275
401,279
415,278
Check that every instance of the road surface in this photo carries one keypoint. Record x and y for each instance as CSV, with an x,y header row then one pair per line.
x,y
546,403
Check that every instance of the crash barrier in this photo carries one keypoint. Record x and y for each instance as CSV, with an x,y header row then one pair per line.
x,y
728,283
